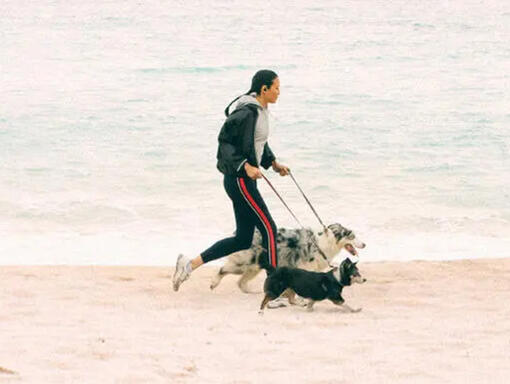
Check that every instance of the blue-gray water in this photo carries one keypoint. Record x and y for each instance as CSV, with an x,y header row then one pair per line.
x,y
394,117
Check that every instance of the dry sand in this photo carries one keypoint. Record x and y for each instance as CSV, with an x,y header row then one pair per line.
x,y
422,322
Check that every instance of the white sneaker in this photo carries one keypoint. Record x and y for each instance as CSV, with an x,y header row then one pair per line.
x,y
181,273
278,302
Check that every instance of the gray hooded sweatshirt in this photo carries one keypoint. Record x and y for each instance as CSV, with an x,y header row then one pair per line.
x,y
261,126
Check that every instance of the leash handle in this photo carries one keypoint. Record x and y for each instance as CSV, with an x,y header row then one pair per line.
x,y
308,201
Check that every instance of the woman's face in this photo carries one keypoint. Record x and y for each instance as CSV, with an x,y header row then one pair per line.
x,y
271,95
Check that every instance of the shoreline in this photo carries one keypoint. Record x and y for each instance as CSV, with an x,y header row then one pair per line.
x,y
218,263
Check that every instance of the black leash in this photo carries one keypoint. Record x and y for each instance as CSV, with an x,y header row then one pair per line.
x,y
293,215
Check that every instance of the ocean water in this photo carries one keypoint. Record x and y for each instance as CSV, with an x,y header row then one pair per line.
x,y
394,117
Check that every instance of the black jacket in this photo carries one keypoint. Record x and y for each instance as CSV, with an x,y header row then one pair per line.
x,y
236,143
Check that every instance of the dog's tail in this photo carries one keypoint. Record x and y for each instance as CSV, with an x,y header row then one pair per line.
x,y
262,261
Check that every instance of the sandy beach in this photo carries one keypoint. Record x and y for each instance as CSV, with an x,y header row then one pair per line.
x,y
422,322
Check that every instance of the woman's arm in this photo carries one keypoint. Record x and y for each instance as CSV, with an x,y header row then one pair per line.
x,y
283,170
269,159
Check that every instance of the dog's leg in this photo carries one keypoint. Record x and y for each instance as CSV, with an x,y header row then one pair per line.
x,y
280,301
227,269
266,300
342,304
309,305
250,274
293,298
217,279
291,295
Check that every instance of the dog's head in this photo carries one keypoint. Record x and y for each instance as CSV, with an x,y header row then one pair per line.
x,y
345,238
348,273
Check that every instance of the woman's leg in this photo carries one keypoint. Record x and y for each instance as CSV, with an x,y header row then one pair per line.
x,y
245,227
263,220
250,211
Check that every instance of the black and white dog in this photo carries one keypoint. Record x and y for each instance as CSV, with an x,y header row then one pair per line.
x,y
296,248
314,286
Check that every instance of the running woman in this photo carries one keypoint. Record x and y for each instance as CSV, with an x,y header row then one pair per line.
x,y
242,149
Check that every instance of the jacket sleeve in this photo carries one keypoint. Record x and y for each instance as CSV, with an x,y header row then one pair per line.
x,y
231,154
267,157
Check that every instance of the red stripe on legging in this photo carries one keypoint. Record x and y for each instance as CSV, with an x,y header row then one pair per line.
x,y
265,221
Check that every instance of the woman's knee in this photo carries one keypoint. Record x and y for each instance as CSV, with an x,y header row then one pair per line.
x,y
244,242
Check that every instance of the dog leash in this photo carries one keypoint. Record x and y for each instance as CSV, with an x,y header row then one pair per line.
x,y
308,201
283,201
293,215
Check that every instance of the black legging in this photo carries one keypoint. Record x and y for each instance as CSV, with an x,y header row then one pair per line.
x,y
250,211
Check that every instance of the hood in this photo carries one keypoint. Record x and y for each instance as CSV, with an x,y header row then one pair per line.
x,y
248,99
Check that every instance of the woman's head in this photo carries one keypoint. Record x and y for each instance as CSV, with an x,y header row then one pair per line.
x,y
265,84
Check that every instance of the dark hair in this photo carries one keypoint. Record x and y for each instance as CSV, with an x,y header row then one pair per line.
x,y
261,78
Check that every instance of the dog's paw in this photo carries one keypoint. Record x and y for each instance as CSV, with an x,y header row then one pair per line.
x,y
249,291
261,312
214,284
309,309
243,288
356,310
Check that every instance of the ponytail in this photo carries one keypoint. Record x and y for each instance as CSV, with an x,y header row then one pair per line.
x,y
233,101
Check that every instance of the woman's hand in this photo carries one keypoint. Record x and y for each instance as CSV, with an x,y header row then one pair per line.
x,y
281,169
252,172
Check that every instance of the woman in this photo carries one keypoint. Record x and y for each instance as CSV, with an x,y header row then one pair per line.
x,y
242,149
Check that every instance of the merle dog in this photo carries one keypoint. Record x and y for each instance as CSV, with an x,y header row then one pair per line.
x,y
296,248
